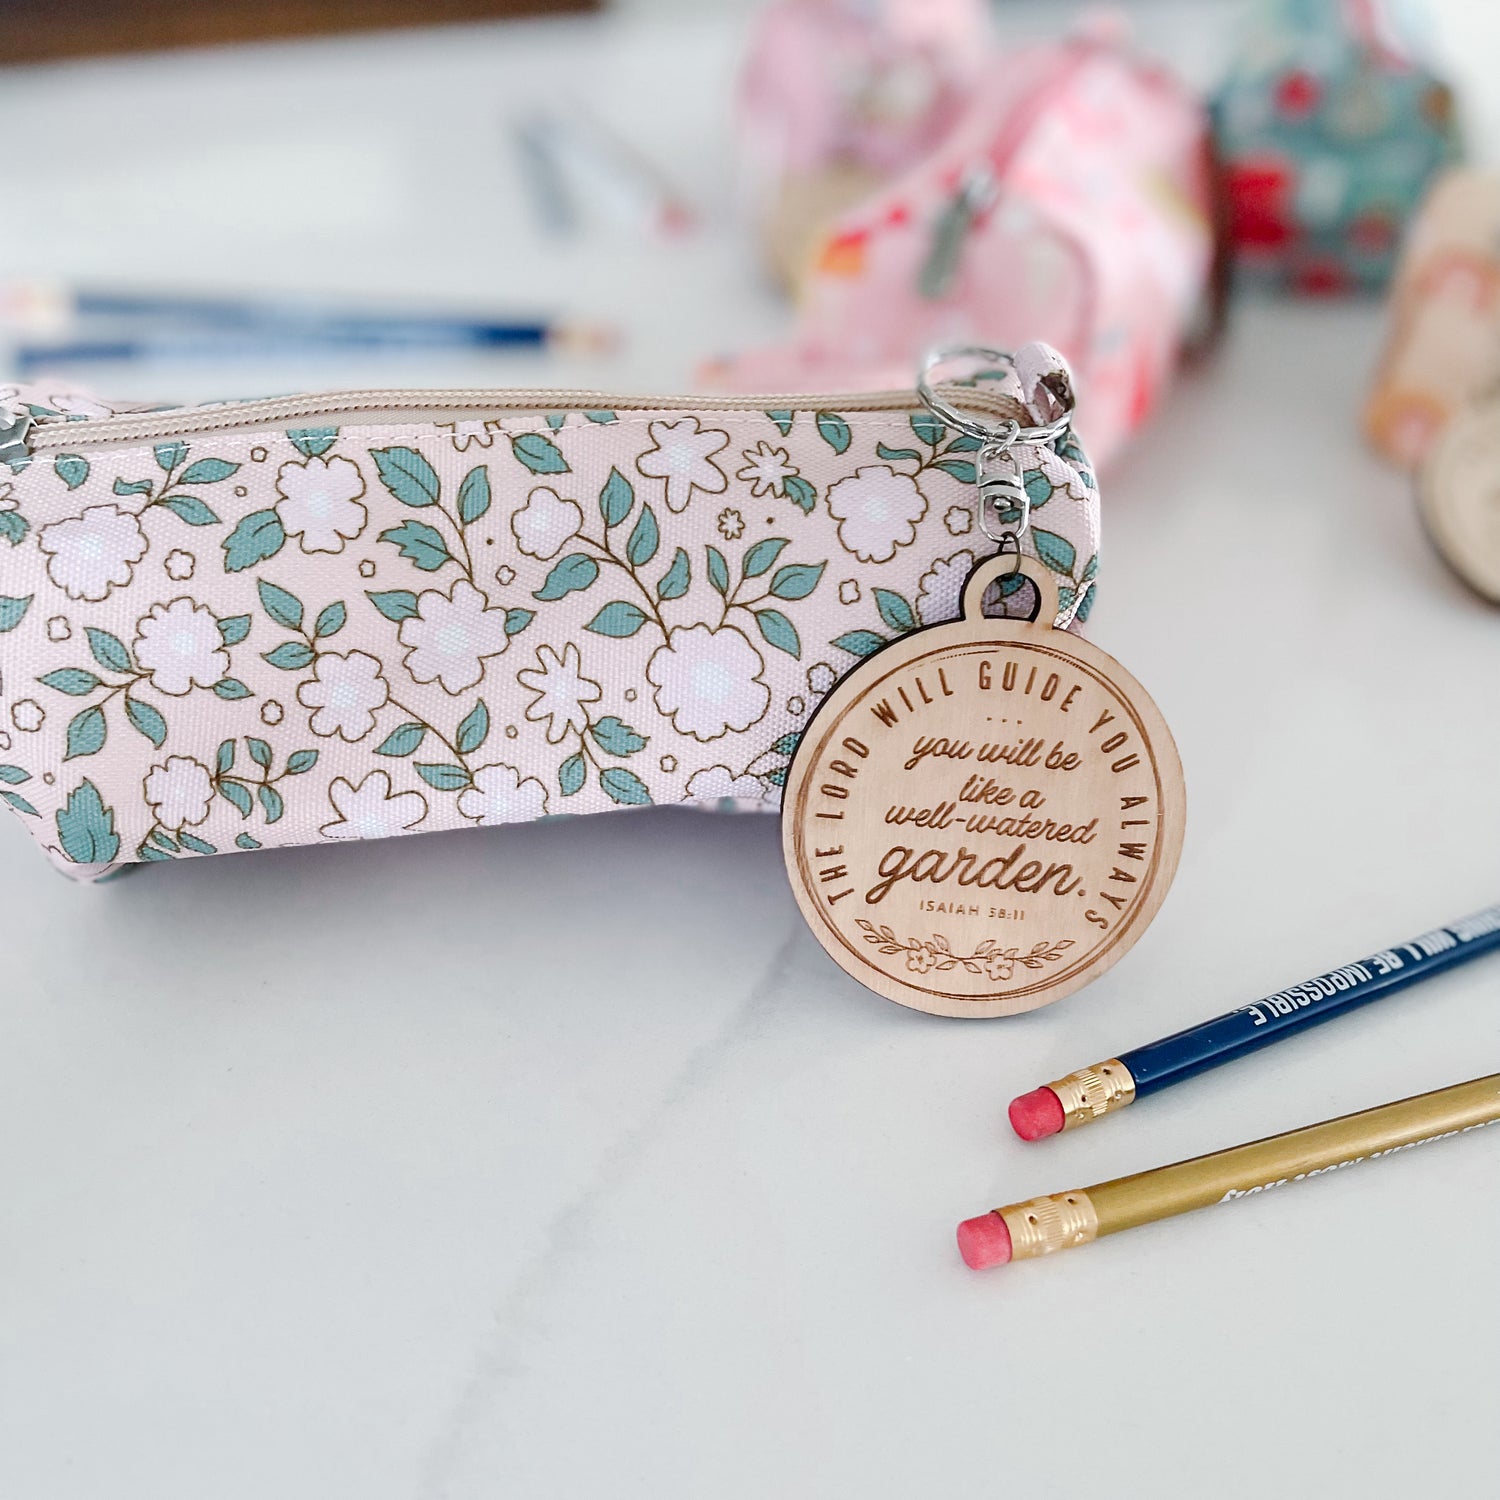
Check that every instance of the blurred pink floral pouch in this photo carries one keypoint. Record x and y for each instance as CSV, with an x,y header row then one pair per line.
x,y
272,623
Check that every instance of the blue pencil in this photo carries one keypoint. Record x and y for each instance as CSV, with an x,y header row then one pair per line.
x,y
1084,1096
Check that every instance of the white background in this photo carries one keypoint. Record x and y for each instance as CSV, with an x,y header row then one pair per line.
x,y
559,1160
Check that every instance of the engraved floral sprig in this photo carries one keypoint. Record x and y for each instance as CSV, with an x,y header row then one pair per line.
x,y
988,957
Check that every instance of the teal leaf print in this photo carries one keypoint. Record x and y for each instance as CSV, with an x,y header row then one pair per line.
x,y
783,420
1038,488
474,495
271,801
407,475
257,538
108,650
645,539
1056,551
225,758
300,761
13,611
170,455
896,455
230,689
718,570
132,486
86,733
13,527
150,855
445,778
1090,570
604,418
571,774
146,719
394,604
928,428
474,730
625,787
616,498
675,581
615,737
208,471
796,580
1086,608
244,841
419,542
195,845
894,610
787,744
260,752
516,620
760,558
312,442
405,740
859,643
290,656
539,453
575,572
555,420
960,468
21,805
283,607
14,775
165,839
801,493
72,469
73,681
779,631
237,796
965,442
330,621
834,431
191,509
233,629
86,827
619,619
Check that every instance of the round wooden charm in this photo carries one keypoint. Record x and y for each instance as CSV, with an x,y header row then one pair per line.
x,y
1460,497
984,815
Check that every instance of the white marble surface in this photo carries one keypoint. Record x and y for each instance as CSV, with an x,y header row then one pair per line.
x,y
560,1161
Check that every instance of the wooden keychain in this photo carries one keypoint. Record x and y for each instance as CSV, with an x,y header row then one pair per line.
x,y
984,815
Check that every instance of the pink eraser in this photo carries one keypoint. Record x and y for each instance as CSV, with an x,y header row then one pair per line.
x,y
1036,1115
984,1242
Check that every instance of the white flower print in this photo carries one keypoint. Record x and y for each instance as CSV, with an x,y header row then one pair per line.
x,y
470,430
821,678
719,783
708,681
58,628
369,811
731,525
271,712
180,565
561,691
28,715
88,555
8,499
501,795
78,404
450,636
940,587
545,522
180,646
505,575
346,691
366,568
767,469
320,502
179,793
683,456
4,740
877,510
959,519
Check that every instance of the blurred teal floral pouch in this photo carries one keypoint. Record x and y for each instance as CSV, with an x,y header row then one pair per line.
x,y
340,617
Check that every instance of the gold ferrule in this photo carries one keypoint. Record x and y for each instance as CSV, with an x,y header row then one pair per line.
x,y
1059,1222
1095,1091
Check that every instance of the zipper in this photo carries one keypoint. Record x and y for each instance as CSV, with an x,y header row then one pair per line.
x,y
24,435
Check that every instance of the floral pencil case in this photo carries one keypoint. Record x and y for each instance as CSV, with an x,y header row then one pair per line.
x,y
348,616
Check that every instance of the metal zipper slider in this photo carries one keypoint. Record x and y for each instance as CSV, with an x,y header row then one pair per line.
x,y
15,435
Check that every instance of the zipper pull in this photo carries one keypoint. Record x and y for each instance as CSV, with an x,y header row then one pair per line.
x,y
15,435
975,194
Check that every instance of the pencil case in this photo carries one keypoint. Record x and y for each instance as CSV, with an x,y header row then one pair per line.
x,y
340,617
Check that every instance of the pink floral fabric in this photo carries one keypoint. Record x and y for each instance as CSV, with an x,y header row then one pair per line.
x,y
258,638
